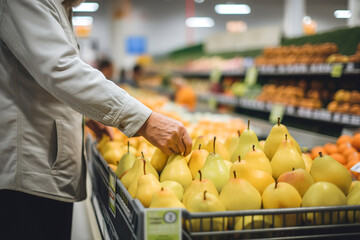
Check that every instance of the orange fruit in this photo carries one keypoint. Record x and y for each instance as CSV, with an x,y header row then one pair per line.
x,y
342,147
343,139
351,163
315,151
348,151
339,157
330,148
355,141
353,156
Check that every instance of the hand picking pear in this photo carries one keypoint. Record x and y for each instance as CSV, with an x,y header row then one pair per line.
x,y
175,187
199,185
215,169
275,137
323,194
286,158
177,170
126,162
165,198
258,160
247,139
353,198
282,195
325,168
298,178
158,160
147,184
206,202
197,160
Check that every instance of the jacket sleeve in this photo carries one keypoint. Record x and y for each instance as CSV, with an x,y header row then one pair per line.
x,y
35,33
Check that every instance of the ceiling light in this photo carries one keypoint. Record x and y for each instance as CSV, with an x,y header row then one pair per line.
x,y
342,14
232,9
199,22
307,20
82,21
87,7
199,1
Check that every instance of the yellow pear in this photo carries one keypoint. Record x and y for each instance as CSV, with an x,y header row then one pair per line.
x,y
113,167
232,142
323,194
165,198
197,160
253,222
353,198
262,144
275,137
228,164
286,158
104,139
258,160
126,162
281,195
158,160
220,149
308,162
176,170
175,187
112,154
201,140
325,168
259,179
298,178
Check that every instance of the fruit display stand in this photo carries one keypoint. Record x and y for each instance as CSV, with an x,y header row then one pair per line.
x,y
122,217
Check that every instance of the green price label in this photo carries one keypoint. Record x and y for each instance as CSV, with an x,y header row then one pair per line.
x,y
277,111
112,180
212,103
112,202
336,70
161,224
251,76
215,75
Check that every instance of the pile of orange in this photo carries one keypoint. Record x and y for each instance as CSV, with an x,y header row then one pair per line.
x,y
346,151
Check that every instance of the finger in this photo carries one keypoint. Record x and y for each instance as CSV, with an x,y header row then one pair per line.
x,y
180,144
187,142
108,131
175,148
166,150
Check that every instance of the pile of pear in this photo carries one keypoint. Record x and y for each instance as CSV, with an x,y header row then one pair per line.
x,y
242,174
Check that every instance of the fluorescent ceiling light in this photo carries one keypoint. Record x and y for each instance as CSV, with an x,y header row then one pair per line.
x,y
307,20
342,14
82,21
87,7
232,9
199,22
199,1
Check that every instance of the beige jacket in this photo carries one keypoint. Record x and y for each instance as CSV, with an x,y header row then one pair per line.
x,y
45,89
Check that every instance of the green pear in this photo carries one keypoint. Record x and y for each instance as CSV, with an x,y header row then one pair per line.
x,y
165,198
259,179
220,149
232,142
246,141
353,198
281,195
215,169
206,202
175,187
199,185
158,160
147,184
228,164
286,158
327,169
177,170
275,137
197,160
323,194
258,160
298,178
126,162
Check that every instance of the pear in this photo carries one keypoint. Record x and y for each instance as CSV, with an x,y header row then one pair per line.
x,y
165,198
353,184
327,169
232,142
147,184
259,179
220,149
206,202
228,164
177,170
281,195
247,139
298,178
239,194
158,160
286,158
126,162
199,140
275,137
197,160
112,156
258,160
113,167
199,185
262,145
308,161
215,169
252,222
175,187
323,194
353,198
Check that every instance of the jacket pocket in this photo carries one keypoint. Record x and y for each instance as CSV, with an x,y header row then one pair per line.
x,y
59,126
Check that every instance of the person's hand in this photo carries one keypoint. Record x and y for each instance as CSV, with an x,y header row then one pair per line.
x,y
169,135
99,129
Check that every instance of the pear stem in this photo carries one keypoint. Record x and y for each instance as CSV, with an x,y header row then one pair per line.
x,y
128,147
205,194
285,136
142,154
144,167
276,183
162,188
293,169
239,158
200,175
214,144
320,153
199,146
234,174
239,133
253,147
278,123
248,124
